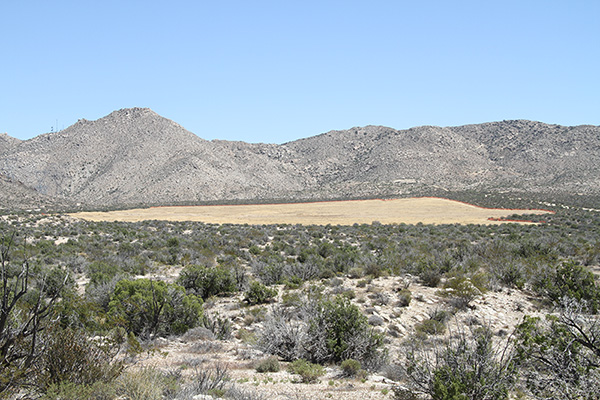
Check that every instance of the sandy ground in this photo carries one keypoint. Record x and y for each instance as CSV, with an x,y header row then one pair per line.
x,y
409,211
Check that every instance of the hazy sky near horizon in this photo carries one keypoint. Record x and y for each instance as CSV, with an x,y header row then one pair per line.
x,y
276,71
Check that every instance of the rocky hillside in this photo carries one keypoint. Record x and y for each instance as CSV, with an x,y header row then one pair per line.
x,y
134,156
16,195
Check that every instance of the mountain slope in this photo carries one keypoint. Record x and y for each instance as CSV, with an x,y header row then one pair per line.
x,y
134,156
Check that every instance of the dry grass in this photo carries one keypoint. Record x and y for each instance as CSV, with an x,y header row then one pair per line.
x,y
410,211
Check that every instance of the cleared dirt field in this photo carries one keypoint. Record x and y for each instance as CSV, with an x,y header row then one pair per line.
x,y
409,211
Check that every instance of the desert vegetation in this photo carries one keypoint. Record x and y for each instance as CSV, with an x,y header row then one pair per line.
x,y
177,309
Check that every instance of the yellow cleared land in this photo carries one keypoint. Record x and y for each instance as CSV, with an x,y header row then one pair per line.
x,y
409,211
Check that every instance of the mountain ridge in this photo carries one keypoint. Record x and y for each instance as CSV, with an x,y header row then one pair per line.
x,y
135,156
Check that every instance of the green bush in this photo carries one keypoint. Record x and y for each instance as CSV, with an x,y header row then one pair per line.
x,y
430,276
573,281
338,331
101,272
462,290
350,367
57,281
402,393
559,355
322,331
308,371
430,327
510,274
270,364
206,282
404,298
148,308
259,293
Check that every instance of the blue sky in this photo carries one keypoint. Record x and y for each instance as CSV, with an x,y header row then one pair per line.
x,y
275,71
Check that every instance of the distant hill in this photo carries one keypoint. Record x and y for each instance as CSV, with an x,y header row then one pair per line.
x,y
135,156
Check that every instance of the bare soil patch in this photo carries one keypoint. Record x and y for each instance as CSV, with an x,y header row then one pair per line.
x,y
426,210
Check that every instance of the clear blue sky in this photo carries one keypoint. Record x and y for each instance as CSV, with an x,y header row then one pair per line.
x,y
275,71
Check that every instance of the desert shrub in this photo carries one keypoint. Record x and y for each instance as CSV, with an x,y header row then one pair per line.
x,y
330,327
290,300
282,336
269,273
207,281
373,269
430,276
434,325
25,311
259,293
146,308
99,292
375,320
220,327
337,330
101,272
308,371
204,347
560,354
198,333
403,393
467,366
56,281
356,272
350,367
207,380
270,364
77,311
237,393
430,327
145,384
301,272
462,290
70,356
573,281
76,391
394,372
404,298
510,274
322,330
293,282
